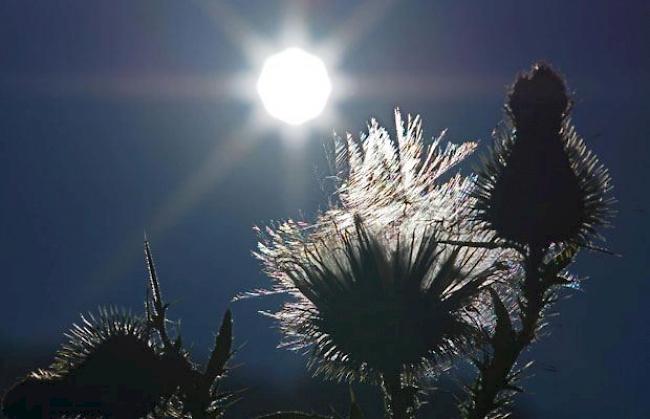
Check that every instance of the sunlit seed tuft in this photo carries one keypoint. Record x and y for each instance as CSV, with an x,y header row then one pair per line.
x,y
373,290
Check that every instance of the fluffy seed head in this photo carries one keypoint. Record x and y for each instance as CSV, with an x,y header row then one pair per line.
x,y
373,291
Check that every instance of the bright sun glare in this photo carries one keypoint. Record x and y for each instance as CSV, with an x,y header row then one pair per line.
x,y
294,86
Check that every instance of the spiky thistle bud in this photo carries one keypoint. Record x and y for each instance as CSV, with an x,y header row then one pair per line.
x,y
108,368
29,398
374,291
541,185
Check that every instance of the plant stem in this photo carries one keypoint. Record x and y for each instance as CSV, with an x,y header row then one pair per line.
x,y
496,372
397,401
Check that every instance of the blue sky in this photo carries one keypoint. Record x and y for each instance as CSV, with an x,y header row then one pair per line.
x,y
111,110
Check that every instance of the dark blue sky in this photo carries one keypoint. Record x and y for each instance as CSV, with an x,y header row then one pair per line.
x,y
98,129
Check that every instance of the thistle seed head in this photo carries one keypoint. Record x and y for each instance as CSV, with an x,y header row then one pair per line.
x,y
369,300
373,290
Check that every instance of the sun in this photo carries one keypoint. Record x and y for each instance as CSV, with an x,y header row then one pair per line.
x,y
294,86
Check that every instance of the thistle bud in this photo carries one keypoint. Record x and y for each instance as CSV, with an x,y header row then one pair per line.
x,y
538,101
28,398
541,185
108,368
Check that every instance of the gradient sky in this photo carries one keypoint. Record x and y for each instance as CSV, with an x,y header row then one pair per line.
x,y
123,116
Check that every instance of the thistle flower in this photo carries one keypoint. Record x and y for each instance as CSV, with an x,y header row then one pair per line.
x,y
108,367
370,301
374,292
541,185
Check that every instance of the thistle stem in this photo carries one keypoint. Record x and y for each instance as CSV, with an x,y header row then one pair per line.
x,y
496,372
398,403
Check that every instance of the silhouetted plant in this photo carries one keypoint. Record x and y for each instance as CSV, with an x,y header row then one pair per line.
x,y
198,392
405,272
542,192
108,368
540,184
377,292
388,283
116,365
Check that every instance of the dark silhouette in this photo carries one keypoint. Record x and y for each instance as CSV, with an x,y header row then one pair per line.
x,y
545,194
107,369
541,185
116,365
405,273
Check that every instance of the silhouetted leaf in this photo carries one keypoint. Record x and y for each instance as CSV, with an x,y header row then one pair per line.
x,y
153,280
222,348
504,333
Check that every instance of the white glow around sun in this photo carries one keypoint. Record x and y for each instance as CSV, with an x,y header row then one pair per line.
x,y
294,86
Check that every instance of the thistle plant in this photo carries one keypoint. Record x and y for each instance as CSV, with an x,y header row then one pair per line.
x,y
376,291
89,373
544,194
541,185
408,269
117,365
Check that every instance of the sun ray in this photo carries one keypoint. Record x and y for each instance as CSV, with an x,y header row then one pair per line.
x,y
235,28
255,48
198,185
152,87
354,28
395,87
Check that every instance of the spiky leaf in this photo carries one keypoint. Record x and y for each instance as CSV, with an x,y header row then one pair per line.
x,y
222,348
